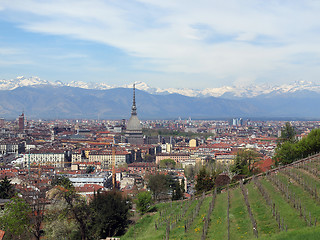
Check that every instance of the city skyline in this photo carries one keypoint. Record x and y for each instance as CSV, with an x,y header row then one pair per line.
x,y
163,43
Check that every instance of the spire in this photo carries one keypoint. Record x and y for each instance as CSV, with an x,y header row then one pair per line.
x,y
134,108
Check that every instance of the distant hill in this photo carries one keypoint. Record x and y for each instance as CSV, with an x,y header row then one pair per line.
x,y
50,102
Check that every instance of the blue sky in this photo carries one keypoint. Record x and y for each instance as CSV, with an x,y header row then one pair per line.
x,y
165,43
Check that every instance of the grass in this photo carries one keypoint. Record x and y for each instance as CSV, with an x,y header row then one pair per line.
x,y
307,200
218,224
311,233
179,233
144,229
290,215
266,223
195,231
308,177
240,224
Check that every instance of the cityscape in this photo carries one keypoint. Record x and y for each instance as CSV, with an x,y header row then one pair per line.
x,y
158,120
104,155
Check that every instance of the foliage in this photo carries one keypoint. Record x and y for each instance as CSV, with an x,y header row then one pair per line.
x,y
205,182
76,206
6,188
37,202
288,151
58,225
167,163
78,210
144,201
190,172
15,219
158,185
106,215
245,162
110,213
288,133
62,181
177,191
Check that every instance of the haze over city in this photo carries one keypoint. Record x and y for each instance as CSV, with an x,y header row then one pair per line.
x,y
162,43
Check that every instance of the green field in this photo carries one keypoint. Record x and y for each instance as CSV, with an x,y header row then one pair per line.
x,y
293,225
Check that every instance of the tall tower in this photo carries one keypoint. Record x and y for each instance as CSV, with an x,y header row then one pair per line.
x,y
1,122
134,128
21,122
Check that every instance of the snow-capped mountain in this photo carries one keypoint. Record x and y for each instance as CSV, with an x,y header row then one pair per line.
x,y
21,82
225,91
233,91
51,100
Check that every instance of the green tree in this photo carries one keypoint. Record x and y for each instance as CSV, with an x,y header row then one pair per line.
x,y
290,151
158,185
6,188
167,163
204,181
15,219
190,172
57,223
288,133
144,201
286,153
177,191
77,207
110,215
246,162
62,181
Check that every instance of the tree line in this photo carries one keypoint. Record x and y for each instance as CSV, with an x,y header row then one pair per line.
x,y
289,149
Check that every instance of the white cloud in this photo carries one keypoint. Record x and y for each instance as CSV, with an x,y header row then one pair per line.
x,y
9,51
220,39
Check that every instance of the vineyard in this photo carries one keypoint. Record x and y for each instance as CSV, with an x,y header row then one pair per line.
x,y
281,204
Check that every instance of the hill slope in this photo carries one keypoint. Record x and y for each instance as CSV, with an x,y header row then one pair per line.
x,y
284,205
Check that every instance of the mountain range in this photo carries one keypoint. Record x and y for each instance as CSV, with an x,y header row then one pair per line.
x,y
75,100
229,92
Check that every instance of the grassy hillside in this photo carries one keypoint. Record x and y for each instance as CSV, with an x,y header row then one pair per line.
x,y
283,205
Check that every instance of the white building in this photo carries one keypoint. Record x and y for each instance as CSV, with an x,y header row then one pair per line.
x,y
105,158
11,147
52,157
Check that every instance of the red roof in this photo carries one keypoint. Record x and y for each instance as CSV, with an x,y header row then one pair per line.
x,y
265,164
89,188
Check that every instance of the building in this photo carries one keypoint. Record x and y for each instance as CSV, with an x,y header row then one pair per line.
x,y
193,143
52,157
11,147
81,181
105,158
1,122
21,122
225,159
177,157
142,168
134,128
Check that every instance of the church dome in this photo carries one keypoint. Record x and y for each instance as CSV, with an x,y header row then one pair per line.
x,y
134,124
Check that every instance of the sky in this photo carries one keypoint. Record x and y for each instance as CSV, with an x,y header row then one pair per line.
x,y
164,43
